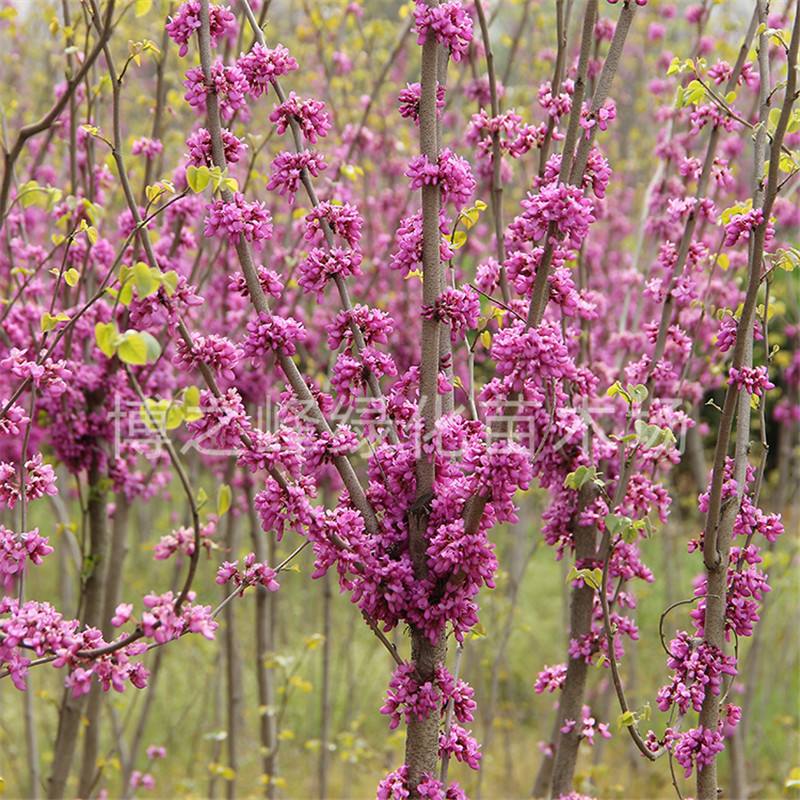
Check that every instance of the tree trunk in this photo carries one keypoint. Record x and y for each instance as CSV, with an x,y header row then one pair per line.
x,y
264,638
325,695
571,701
233,672
113,581
72,709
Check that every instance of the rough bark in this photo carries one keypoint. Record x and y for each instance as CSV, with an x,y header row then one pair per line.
x,y
113,580
264,638
571,701
233,673
72,709
325,693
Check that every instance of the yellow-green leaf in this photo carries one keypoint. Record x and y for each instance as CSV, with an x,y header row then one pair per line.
x,y
458,239
169,280
223,499
191,404
49,322
132,348
141,7
143,279
197,178
72,276
106,335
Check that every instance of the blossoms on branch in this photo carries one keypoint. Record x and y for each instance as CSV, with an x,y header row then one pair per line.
x,y
309,114
451,173
698,669
186,23
227,82
261,66
239,219
288,169
753,380
16,550
252,573
408,101
216,352
200,154
273,334
448,23
697,747
322,264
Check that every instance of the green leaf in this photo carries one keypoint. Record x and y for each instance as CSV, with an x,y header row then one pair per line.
x,y
638,393
141,7
458,239
161,415
617,523
143,279
470,216
169,280
580,477
48,321
191,404
223,499
126,292
72,276
106,335
31,193
793,779
152,345
617,388
694,93
197,178
650,436
132,348
626,720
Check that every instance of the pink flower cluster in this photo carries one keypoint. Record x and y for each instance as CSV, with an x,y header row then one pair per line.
x,y
273,334
216,352
589,726
449,24
289,167
253,573
459,743
16,549
40,480
558,205
38,628
262,66
452,173
753,380
395,787
199,144
239,219
697,747
227,82
742,225
408,101
550,679
161,623
47,375
149,148
186,22
309,114
458,308
698,669
322,264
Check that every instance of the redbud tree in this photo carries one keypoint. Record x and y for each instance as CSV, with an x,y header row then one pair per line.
x,y
368,296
